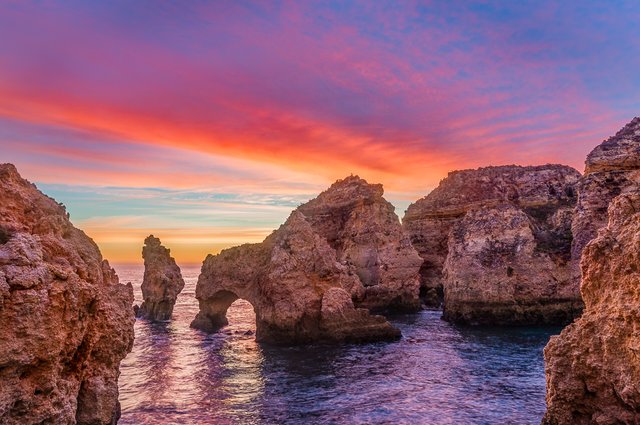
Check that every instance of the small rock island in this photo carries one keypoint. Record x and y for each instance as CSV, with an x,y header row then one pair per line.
x,y
162,281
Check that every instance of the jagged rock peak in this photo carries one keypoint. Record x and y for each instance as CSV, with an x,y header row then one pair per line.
x,y
162,282
350,190
619,152
364,230
612,168
65,321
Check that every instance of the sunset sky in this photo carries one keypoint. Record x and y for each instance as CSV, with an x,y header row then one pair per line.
x,y
206,123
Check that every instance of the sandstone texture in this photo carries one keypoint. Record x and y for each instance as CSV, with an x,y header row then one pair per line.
x,y
593,366
366,234
65,321
299,290
496,245
612,168
162,281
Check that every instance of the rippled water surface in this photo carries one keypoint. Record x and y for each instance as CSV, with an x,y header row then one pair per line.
x,y
437,374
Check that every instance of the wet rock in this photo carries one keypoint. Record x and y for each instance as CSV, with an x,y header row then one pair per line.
x,y
593,366
612,168
496,244
65,321
366,234
162,281
296,286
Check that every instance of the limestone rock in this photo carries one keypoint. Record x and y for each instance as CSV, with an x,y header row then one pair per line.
x,y
495,273
162,281
498,225
612,168
296,287
365,232
65,321
593,366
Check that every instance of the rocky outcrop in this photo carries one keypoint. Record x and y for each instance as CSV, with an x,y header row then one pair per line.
x,y
593,366
365,232
299,290
65,321
612,168
496,245
162,281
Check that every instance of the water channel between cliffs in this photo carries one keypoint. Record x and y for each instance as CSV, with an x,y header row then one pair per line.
x,y
437,374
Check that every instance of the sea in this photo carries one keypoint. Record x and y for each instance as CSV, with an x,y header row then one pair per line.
x,y
437,373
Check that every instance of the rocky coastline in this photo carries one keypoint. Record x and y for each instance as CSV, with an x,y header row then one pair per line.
x,y
505,245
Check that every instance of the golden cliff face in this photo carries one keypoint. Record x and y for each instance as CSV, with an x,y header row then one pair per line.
x,y
495,244
65,321
593,366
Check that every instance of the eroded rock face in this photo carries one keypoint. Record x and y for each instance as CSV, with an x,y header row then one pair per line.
x,y
612,168
365,232
299,290
162,281
496,244
495,272
65,321
593,366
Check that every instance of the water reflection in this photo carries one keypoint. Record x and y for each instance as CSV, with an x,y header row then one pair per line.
x,y
437,373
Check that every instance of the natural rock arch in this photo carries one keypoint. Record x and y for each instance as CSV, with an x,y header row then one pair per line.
x,y
299,291
216,310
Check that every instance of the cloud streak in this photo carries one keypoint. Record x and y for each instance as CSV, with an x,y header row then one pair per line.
x,y
283,98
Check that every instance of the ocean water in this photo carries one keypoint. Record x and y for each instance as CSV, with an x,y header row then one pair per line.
x,y
437,374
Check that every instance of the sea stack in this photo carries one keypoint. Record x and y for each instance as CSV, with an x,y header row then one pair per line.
x,y
366,234
593,366
65,321
611,169
162,281
496,245
299,290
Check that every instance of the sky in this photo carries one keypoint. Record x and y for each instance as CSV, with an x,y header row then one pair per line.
x,y
206,123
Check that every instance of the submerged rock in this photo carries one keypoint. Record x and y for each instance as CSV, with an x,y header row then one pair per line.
x,y
299,291
496,243
162,281
366,234
593,366
65,321
612,168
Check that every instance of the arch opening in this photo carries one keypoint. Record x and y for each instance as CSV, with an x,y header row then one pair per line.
x,y
215,313
241,317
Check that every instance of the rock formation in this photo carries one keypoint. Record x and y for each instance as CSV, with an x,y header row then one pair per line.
x,y
298,289
496,245
365,232
593,366
611,169
65,321
162,281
